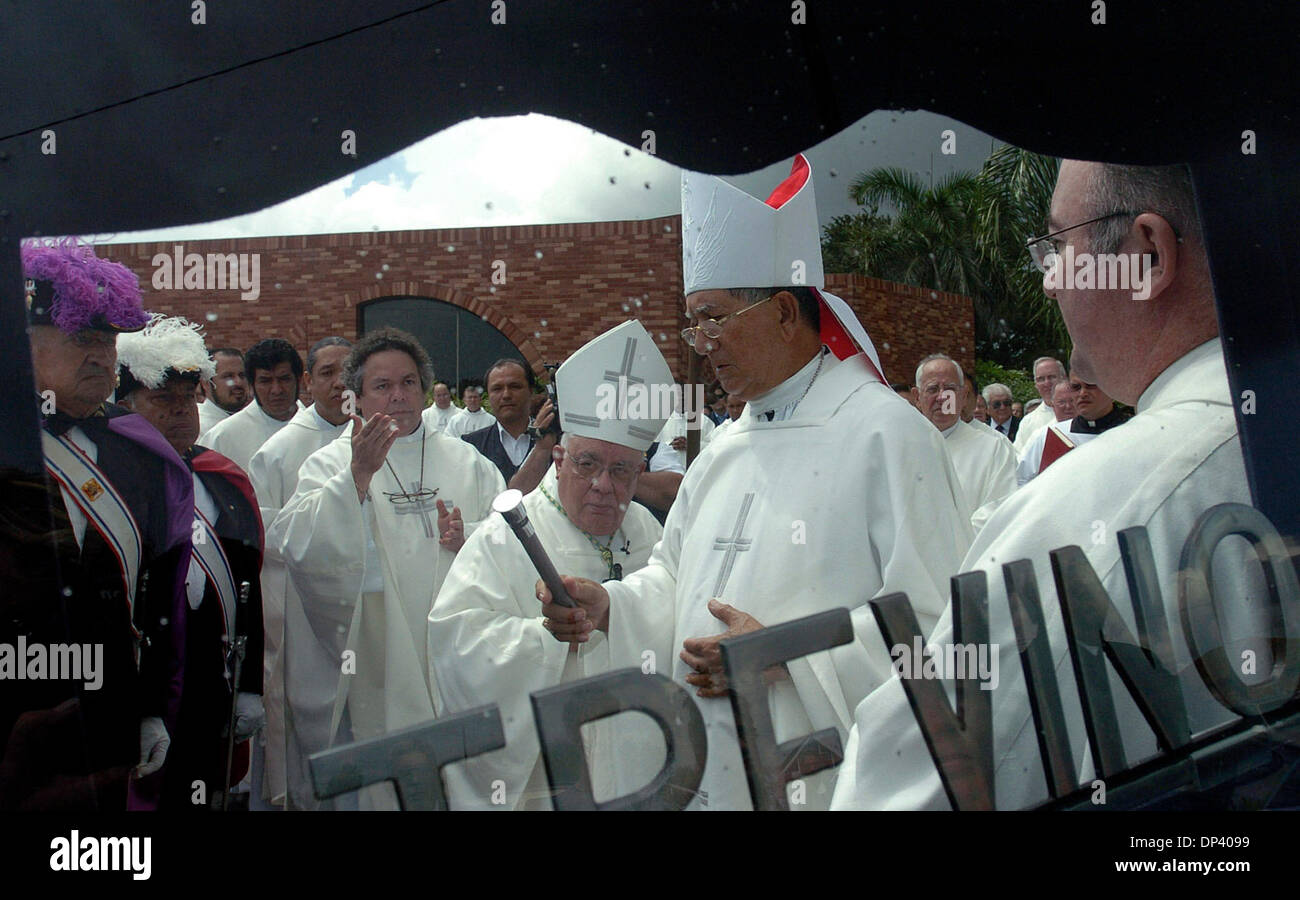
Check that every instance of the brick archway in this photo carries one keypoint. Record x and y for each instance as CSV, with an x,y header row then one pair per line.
x,y
446,293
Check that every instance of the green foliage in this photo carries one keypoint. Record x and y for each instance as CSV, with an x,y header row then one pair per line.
x,y
1020,381
965,234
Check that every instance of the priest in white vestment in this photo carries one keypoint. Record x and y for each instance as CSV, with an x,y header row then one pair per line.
x,y
1171,462
226,391
274,474
825,493
443,412
1048,372
274,371
487,643
473,416
370,534
985,462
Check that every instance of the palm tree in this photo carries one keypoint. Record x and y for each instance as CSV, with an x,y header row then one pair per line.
x,y
1019,194
929,238
964,234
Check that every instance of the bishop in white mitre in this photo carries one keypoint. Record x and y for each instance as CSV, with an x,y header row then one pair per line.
x,y
369,536
825,493
487,643
273,471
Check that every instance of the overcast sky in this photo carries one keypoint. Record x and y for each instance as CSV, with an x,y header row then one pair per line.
x,y
537,170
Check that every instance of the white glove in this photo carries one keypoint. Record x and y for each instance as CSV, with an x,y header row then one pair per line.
x,y
154,742
250,715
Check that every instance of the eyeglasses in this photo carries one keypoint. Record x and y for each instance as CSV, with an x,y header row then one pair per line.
x,y
591,469
712,328
1044,249
400,497
998,404
932,389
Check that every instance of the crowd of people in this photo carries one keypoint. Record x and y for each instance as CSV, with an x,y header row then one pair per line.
x,y
269,578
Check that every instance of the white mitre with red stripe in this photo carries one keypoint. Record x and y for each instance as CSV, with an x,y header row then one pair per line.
x,y
731,240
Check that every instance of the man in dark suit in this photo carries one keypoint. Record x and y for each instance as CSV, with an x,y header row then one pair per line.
x,y
520,448
998,397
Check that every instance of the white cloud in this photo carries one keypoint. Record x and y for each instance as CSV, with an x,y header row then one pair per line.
x,y
522,170
537,170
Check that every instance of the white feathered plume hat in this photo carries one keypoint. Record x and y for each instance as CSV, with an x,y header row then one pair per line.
x,y
168,347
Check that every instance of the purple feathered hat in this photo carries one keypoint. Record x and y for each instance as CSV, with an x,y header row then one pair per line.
x,y
68,286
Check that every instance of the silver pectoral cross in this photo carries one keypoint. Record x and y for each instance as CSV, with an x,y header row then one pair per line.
x,y
733,545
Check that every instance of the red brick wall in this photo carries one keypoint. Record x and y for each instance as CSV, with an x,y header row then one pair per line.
x,y
588,278
908,323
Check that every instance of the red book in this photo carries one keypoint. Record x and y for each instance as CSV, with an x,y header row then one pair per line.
x,y
1054,447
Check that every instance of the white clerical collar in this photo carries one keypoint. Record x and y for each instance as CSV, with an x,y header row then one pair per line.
x,y
782,399
270,419
416,435
1199,374
321,422
947,432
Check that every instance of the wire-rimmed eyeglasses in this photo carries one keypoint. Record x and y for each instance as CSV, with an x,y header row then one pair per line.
x,y
712,328
1043,248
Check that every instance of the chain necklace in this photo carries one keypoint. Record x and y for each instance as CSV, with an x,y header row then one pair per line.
x,y
403,495
821,358
606,554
